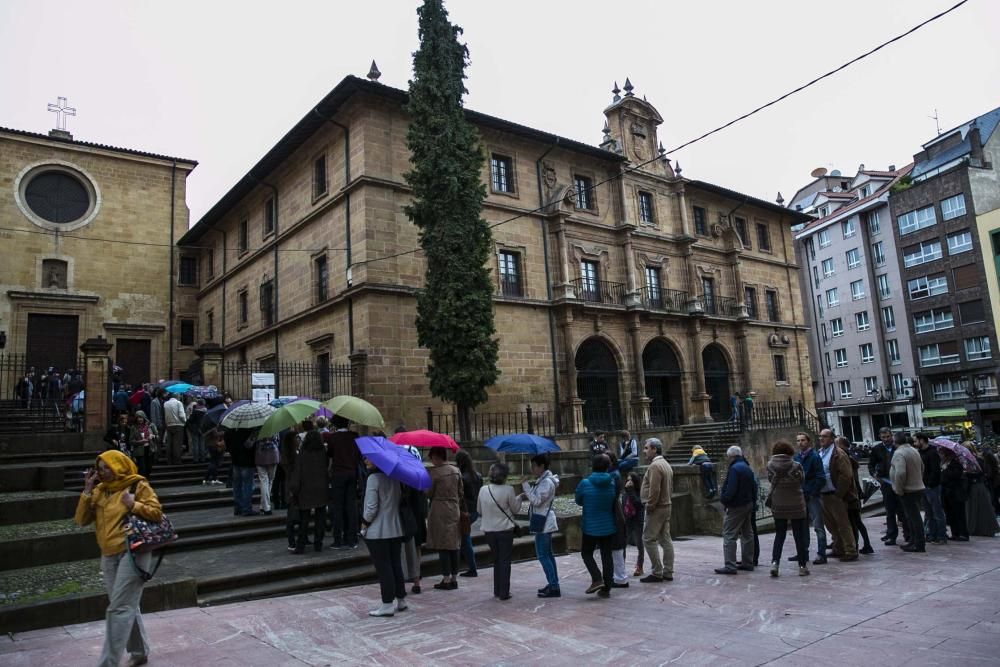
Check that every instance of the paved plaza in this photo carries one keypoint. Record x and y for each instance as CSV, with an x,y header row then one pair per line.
x,y
938,608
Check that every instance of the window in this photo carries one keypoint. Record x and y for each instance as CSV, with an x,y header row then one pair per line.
x,y
857,290
584,192
874,226
780,373
959,242
319,177
646,208
267,303
209,325
700,227
837,327
897,384
826,356
812,248
971,312
867,353
965,276
827,267
243,306
58,195
244,240
932,320
878,254
653,291
740,224
853,258
819,304
823,212
884,292
763,237
823,327
888,318
771,302
750,299
866,190
936,354
831,297
210,263
920,288
947,388
510,273
708,292
841,357
322,278
501,173
830,386
187,332
589,284
824,238
987,385
914,220
270,213
977,348
871,385
892,348
952,207
926,251
188,274
815,276
845,388
848,227
861,321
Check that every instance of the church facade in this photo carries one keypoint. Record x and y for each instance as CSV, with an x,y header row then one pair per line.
x,y
89,235
626,293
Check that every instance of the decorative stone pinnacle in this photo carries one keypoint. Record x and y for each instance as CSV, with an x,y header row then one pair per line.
x,y
373,72
628,88
606,131
780,200
661,150
677,168
615,91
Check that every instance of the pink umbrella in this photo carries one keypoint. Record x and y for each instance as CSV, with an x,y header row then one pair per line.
x,y
425,439
965,457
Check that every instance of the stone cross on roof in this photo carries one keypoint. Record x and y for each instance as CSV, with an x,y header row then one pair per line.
x,y
61,110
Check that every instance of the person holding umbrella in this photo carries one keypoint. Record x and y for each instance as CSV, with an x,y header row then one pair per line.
x,y
307,487
383,533
953,493
444,532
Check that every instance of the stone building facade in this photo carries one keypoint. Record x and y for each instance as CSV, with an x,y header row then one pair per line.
x,y
89,236
625,293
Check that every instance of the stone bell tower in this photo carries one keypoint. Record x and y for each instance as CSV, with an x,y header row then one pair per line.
x,y
630,131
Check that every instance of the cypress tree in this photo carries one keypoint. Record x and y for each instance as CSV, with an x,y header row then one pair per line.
x,y
455,307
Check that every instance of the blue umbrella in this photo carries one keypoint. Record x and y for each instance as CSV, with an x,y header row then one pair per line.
x,y
179,388
396,462
522,443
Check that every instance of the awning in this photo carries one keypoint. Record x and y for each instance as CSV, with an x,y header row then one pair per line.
x,y
945,412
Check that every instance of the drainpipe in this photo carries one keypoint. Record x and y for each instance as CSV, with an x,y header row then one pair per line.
x,y
225,279
274,285
548,286
170,317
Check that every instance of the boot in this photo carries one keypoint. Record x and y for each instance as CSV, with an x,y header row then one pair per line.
x,y
385,609
401,604
803,571
774,568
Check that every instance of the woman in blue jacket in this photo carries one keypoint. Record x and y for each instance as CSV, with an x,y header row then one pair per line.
x,y
596,494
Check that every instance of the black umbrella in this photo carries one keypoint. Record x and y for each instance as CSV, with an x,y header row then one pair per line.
x,y
212,417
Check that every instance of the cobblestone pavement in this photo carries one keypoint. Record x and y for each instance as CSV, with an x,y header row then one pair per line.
x,y
892,608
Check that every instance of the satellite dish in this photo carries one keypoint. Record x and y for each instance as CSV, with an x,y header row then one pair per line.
x,y
818,172
835,172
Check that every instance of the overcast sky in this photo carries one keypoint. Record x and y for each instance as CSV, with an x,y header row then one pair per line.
x,y
222,81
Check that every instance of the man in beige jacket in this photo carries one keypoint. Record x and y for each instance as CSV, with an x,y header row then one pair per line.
x,y
657,487
906,473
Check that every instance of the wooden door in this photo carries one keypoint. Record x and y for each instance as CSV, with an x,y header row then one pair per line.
x,y
52,341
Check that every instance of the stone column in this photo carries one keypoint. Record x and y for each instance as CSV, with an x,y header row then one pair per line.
x,y
572,405
744,350
210,355
97,399
682,204
563,290
631,283
640,402
359,372
700,410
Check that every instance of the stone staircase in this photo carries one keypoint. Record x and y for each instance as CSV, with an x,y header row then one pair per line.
x,y
39,418
713,437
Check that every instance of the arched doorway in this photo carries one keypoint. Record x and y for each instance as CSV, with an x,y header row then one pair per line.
x,y
663,383
716,367
597,385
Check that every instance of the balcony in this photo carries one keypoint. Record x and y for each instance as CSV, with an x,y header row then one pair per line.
x,y
599,291
510,285
671,300
722,306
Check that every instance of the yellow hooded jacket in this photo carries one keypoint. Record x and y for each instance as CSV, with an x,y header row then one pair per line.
x,y
104,508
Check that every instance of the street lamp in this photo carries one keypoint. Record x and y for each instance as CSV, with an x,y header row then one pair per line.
x,y
974,392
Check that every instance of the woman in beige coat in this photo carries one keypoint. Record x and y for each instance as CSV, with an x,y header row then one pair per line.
x,y
446,505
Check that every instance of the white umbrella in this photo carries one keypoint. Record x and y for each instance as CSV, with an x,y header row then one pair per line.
x,y
251,415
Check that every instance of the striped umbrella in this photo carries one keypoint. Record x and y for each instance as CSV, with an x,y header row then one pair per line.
x,y
251,415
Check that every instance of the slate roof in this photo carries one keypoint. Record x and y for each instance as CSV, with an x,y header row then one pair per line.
x,y
117,149
847,208
987,124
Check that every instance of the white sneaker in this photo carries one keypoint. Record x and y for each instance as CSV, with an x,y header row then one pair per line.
x,y
383,610
401,605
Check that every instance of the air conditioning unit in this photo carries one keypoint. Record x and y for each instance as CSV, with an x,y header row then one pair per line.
x,y
908,383
908,392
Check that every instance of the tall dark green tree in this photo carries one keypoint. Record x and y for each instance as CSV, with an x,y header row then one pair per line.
x,y
455,308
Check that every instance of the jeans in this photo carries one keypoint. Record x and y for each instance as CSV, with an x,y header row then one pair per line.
x,y
242,489
738,524
123,628
935,514
266,476
606,572
543,549
708,478
212,473
656,536
197,442
502,545
319,527
388,566
468,553
800,533
344,507
814,504
911,509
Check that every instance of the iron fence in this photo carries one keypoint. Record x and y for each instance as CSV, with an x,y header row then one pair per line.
x,y
671,300
319,381
723,306
485,425
773,414
42,404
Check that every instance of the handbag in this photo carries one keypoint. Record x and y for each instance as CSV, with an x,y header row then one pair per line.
x,y
517,526
142,536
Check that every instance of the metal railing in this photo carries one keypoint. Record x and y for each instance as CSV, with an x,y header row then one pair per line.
x,y
511,286
722,306
485,425
319,381
47,406
773,414
599,291
671,300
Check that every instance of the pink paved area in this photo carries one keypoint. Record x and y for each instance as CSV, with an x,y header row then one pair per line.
x,y
938,608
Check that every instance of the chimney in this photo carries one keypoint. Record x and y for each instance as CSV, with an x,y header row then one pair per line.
x,y
975,146
892,167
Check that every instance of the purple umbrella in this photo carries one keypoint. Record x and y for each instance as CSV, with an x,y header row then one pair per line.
x,y
396,462
965,457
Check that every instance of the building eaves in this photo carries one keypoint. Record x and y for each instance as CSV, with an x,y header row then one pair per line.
x,y
88,144
760,203
327,108
853,207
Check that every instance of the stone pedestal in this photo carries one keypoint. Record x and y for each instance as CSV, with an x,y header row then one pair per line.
x,y
640,411
573,413
359,372
210,355
701,412
97,366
